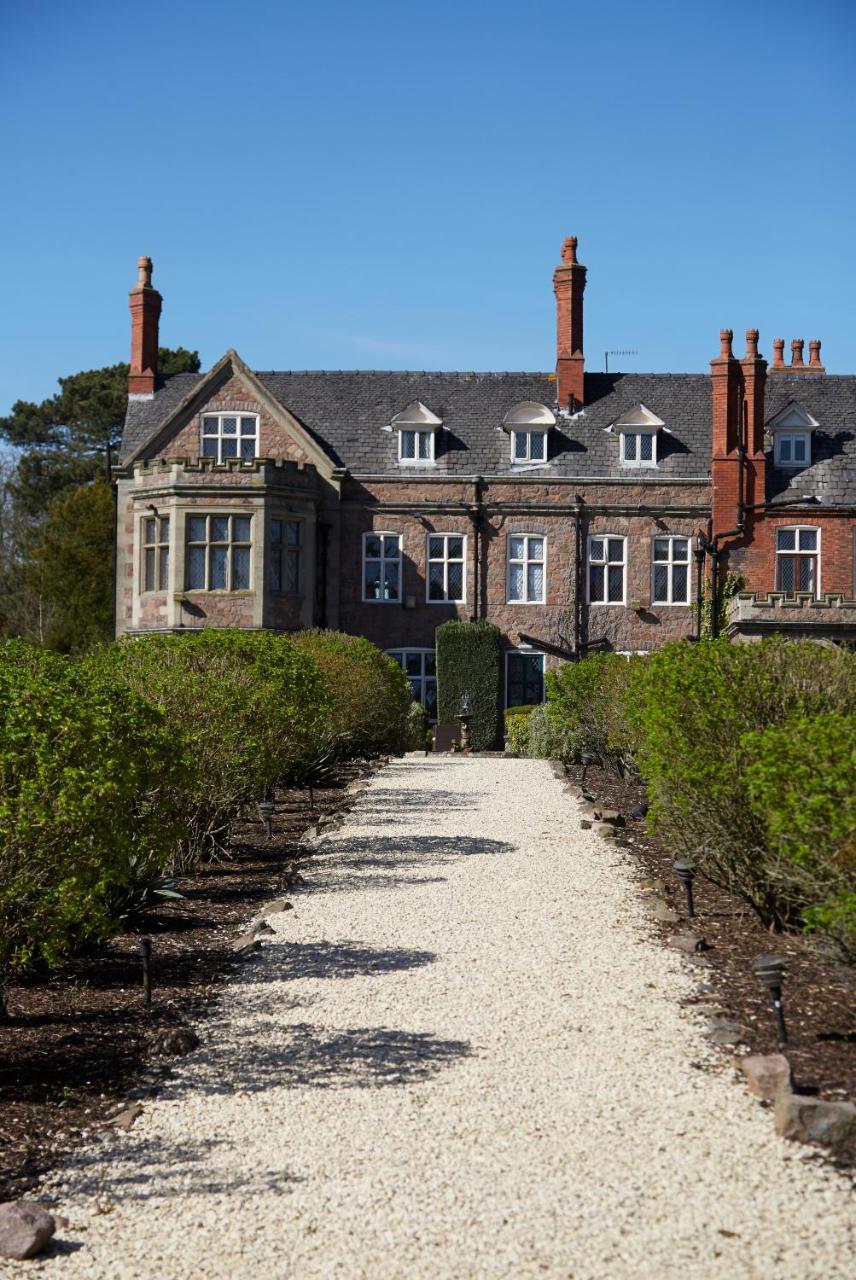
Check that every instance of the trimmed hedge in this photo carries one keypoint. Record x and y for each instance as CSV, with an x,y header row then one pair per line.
x,y
368,693
469,658
250,707
85,817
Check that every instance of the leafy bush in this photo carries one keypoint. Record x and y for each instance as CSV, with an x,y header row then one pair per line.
x,y
469,657
250,708
368,693
417,728
691,708
545,743
517,728
586,701
800,781
85,816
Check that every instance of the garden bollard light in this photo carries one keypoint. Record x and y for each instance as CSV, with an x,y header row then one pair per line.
x,y
770,971
146,954
265,808
685,871
585,761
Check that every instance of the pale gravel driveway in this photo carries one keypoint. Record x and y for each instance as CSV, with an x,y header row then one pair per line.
x,y
463,1056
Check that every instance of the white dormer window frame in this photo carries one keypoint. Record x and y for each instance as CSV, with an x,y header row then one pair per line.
x,y
417,428
229,434
528,425
638,430
791,430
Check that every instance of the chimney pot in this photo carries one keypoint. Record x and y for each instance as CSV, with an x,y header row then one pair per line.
x,y
726,337
144,266
778,353
797,353
752,344
569,249
814,354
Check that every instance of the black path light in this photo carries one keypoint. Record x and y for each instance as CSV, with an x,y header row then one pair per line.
x,y
146,955
585,761
265,808
685,871
770,971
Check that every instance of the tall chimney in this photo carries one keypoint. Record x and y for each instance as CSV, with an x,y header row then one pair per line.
x,y
754,368
145,302
726,385
569,282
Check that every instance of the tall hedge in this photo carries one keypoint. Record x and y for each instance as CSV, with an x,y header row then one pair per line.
x,y
469,662
250,706
85,812
368,693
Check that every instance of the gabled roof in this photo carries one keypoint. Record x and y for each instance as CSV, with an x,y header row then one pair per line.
x,y
344,414
830,402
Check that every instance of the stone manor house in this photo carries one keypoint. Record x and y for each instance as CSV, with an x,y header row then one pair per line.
x,y
578,511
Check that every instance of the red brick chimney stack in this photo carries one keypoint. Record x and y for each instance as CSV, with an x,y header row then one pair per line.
x,y
569,282
726,394
145,302
798,364
754,369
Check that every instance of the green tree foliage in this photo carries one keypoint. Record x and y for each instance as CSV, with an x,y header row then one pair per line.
x,y
469,656
250,708
368,693
83,808
69,438
586,701
72,568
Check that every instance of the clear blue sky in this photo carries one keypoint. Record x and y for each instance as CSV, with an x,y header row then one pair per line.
x,y
386,185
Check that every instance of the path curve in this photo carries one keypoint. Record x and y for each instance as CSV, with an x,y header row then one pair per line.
x,y
462,1056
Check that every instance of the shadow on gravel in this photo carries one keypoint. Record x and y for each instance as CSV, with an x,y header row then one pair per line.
x,y
386,853
291,961
315,1057
345,883
162,1168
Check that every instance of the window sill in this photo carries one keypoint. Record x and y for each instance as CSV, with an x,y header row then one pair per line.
x,y
445,602
215,591
526,603
608,604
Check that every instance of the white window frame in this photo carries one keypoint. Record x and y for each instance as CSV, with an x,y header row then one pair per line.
x,y
231,543
220,416
636,461
287,553
400,656
606,563
815,555
780,437
419,434
526,653
159,545
382,560
526,560
445,561
669,565
527,434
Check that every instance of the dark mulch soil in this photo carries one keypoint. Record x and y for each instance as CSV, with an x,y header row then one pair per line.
x,y
818,993
80,1036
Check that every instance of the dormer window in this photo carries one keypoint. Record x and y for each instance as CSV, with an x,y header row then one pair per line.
x,y
417,429
638,436
528,425
791,430
792,449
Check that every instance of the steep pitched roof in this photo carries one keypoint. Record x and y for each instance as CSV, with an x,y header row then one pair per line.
x,y
347,413
831,400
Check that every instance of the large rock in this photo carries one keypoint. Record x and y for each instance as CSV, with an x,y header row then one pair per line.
x,y
176,1040
660,910
767,1074
25,1229
830,1124
692,943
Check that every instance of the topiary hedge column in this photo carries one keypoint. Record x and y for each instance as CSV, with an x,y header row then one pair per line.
x,y
469,660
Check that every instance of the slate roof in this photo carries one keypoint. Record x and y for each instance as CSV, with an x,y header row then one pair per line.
x,y
347,412
831,401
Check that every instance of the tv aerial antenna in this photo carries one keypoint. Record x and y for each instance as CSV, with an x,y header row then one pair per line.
x,y
607,354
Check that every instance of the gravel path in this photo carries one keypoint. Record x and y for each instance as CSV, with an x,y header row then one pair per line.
x,y
461,1057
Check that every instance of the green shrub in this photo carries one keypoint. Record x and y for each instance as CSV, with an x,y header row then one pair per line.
x,y
250,707
469,656
545,742
690,708
368,693
517,729
85,816
416,728
800,781
586,701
